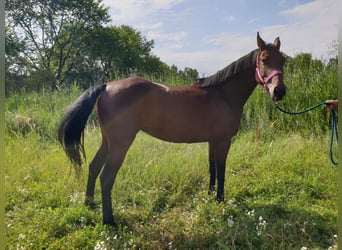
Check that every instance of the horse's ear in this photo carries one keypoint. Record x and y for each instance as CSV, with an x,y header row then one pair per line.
x,y
277,43
261,43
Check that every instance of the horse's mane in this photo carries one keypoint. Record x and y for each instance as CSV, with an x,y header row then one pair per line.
x,y
239,66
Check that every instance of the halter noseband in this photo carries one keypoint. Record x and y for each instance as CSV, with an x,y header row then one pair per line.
x,y
264,80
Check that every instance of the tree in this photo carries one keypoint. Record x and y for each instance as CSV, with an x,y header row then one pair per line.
x,y
153,65
133,48
190,74
123,51
53,30
58,42
16,65
13,48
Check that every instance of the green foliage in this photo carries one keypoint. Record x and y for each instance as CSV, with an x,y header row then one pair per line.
x,y
52,33
56,44
121,48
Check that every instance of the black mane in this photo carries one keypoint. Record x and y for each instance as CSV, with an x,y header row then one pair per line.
x,y
240,65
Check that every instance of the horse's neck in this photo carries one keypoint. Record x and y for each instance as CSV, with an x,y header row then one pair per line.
x,y
240,88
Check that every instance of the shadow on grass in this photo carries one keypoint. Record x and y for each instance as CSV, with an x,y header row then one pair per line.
x,y
226,226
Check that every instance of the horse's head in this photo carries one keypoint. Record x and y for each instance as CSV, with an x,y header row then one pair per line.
x,y
269,68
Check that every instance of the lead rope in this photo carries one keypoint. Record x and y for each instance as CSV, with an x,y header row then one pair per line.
x,y
333,132
333,125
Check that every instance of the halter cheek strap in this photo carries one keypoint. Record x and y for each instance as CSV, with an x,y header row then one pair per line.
x,y
264,80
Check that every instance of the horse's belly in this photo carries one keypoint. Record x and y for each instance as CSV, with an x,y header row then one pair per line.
x,y
177,133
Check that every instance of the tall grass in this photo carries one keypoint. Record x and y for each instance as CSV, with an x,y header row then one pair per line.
x,y
37,113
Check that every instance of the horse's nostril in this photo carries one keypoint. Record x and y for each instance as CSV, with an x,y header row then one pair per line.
x,y
276,92
279,93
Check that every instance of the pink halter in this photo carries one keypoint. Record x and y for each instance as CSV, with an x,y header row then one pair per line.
x,y
265,80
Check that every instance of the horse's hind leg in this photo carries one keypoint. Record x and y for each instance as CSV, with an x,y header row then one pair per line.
x,y
94,171
114,161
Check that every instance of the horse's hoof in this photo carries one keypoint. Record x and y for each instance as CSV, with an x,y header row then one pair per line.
x,y
211,191
220,199
111,224
91,204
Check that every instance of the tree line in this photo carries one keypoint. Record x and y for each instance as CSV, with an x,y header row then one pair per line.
x,y
54,44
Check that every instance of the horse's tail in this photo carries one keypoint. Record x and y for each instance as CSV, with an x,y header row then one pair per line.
x,y
71,128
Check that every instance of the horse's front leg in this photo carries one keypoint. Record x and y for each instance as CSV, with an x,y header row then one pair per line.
x,y
220,151
212,170
221,173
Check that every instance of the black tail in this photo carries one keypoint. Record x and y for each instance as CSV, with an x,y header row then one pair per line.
x,y
70,131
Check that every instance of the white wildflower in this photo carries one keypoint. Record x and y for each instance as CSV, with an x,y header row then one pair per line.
x,y
261,226
170,245
232,202
77,197
83,222
100,246
251,213
230,221
223,211
21,236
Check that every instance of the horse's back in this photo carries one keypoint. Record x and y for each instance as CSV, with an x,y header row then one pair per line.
x,y
130,86
178,114
121,98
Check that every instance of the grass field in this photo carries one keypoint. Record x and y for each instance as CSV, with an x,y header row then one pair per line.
x,y
280,194
281,189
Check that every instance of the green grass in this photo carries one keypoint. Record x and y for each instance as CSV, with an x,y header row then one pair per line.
x,y
281,189
280,194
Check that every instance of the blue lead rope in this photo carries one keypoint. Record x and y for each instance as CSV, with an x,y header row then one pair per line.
x,y
333,132
300,112
333,125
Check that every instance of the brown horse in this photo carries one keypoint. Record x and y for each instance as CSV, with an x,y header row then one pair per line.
x,y
207,111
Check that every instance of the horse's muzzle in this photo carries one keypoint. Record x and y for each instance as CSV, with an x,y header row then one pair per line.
x,y
278,93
